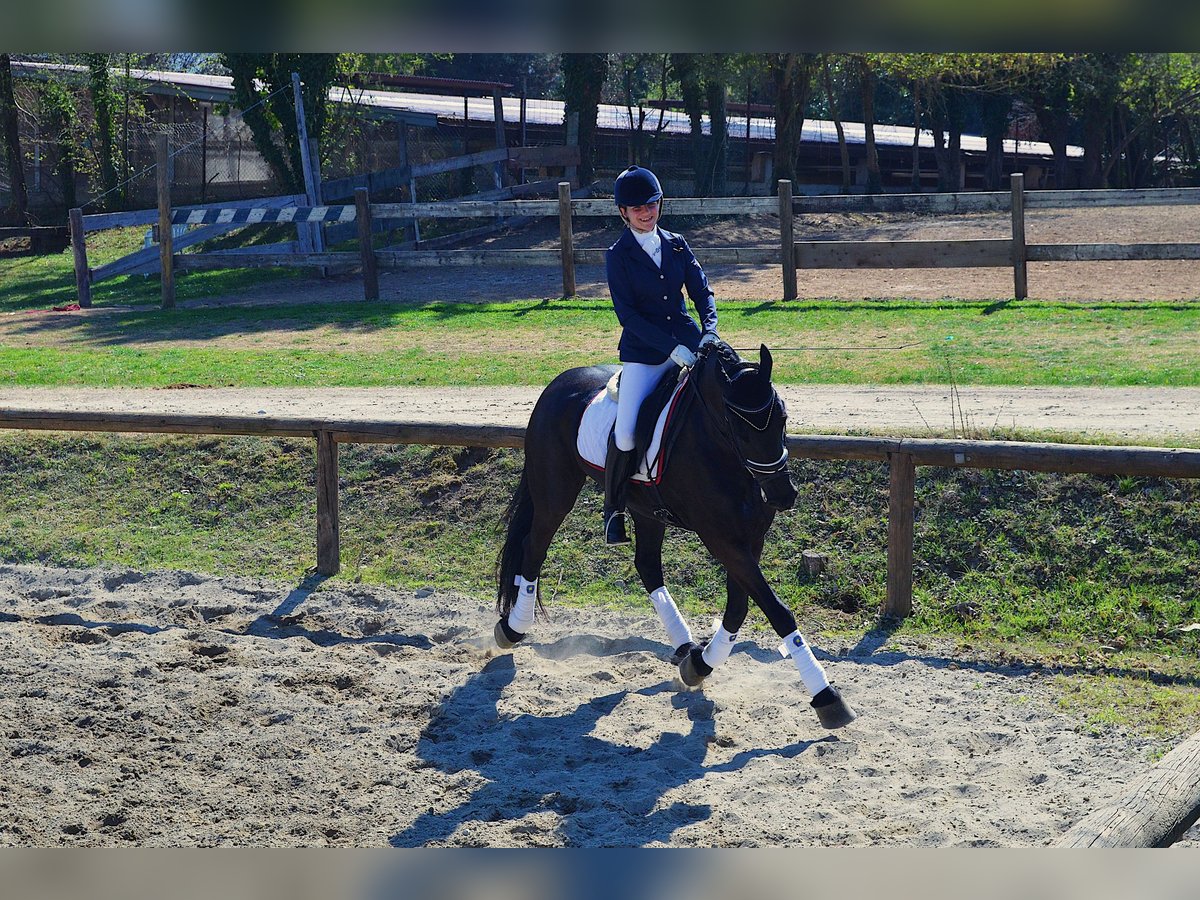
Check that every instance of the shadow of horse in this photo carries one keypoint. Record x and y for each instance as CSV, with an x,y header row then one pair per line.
x,y
604,793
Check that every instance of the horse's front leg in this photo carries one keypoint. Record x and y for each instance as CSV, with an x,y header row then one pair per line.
x,y
742,566
647,558
701,661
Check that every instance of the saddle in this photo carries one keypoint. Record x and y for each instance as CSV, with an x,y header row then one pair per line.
x,y
654,434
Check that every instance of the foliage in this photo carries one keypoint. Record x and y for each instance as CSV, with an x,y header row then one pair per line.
x,y
105,100
271,110
583,83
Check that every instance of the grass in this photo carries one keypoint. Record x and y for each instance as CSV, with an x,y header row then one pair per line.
x,y
529,341
42,282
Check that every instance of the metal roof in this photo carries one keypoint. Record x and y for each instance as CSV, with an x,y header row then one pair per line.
x,y
420,109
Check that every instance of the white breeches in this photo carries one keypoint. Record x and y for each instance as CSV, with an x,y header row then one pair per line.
x,y
637,381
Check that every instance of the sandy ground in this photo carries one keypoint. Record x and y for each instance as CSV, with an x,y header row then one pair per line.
x,y
175,709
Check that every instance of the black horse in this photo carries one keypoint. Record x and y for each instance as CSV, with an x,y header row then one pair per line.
x,y
725,480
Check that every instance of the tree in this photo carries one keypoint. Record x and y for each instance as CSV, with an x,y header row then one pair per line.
x,y
10,136
867,81
59,118
792,79
105,100
271,109
583,83
828,64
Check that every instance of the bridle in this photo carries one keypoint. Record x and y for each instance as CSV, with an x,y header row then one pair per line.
x,y
763,472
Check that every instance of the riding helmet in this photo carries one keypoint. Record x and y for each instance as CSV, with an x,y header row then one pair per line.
x,y
636,187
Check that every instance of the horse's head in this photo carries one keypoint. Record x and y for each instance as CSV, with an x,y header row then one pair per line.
x,y
757,419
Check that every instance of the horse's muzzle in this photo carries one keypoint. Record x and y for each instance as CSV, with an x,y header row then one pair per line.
x,y
778,491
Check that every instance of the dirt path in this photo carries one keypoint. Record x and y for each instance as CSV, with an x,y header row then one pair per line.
x,y
1139,415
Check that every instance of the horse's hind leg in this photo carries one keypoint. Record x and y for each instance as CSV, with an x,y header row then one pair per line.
x,y
647,558
552,495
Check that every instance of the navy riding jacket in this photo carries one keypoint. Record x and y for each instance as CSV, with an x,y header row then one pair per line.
x,y
649,302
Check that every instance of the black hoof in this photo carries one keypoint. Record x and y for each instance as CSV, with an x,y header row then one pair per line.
x,y
832,710
693,670
506,638
683,650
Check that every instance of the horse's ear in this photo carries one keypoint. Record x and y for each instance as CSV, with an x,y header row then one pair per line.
x,y
764,361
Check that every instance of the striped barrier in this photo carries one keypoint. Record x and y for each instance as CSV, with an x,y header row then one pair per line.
x,y
258,215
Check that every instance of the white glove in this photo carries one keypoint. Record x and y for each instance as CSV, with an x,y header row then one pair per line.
x,y
682,356
709,337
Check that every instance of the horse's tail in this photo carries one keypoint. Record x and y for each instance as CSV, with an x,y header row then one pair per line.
x,y
519,518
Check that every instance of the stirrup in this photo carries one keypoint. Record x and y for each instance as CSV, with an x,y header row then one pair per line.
x,y
614,529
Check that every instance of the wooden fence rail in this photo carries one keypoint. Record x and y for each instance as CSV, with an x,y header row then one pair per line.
x,y
902,456
791,255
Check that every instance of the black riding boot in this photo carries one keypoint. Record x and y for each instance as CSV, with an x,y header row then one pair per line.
x,y
619,467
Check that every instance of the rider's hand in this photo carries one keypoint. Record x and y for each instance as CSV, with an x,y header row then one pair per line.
x,y
709,337
682,356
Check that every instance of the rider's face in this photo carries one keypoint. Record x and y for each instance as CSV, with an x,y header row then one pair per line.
x,y
642,218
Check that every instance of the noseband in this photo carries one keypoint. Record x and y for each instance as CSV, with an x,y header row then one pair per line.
x,y
762,471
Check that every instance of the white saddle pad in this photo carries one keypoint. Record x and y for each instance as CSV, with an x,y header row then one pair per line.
x,y
597,422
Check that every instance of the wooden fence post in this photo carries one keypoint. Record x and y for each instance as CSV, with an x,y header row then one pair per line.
x,y
567,238
787,239
362,212
328,537
83,276
165,234
901,496
501,168
1020,280
309,234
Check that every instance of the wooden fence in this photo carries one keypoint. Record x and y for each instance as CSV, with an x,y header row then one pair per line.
x,y
793,256
902,457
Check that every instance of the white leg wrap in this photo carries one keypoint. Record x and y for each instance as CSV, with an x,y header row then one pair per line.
x,y
520,617
678,632
719,647
811,673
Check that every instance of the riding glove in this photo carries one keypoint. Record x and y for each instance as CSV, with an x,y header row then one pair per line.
x,y
683,357
709,337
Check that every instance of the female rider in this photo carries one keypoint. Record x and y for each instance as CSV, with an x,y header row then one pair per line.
x,y
648,268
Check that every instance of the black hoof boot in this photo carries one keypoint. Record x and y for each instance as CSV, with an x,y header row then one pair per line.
x,y
693,670
506,638
832,710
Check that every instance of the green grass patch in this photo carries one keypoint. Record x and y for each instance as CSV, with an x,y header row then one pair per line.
x,y
529,342
42,282
1108,701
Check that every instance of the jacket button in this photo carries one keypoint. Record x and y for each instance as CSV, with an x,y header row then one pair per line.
x,y
661,277
668,318
664,296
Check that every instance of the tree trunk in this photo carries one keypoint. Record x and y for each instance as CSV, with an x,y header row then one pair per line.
x,y
793,80
583,75
1054,124
10,134
104,106
1094,127
688,74
916,145
874,178
718,157
835,111
994,108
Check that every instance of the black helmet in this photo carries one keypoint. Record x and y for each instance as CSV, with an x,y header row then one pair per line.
x,y
636,187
